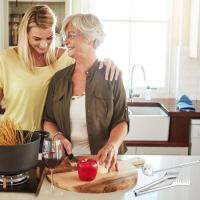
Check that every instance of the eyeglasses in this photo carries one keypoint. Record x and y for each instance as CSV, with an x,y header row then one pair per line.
x,y
70,36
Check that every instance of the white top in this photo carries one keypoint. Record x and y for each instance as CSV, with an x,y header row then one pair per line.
x,y
79,134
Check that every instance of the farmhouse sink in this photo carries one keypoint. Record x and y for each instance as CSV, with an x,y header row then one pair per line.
x,y
148,123
146,110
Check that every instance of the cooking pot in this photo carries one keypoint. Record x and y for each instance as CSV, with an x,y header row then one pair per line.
x,y
21,157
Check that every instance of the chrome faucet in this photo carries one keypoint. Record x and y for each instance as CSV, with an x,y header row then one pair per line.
x,y
131,94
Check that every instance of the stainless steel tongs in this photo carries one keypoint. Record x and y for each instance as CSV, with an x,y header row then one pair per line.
x,y
166,176
148,170
176,182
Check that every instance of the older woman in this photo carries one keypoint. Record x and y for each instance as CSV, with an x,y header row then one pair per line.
x,y
90,113
26,70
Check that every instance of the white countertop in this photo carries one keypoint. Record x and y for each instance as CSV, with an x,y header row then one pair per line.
x,y
177,193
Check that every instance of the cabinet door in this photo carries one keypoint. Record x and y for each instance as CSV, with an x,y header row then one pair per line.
x,y
195,139
131,151
162,151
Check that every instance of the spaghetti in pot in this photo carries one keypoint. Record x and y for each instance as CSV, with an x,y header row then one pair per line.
x,y
10,134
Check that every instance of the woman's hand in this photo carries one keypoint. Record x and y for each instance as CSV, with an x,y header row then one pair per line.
x,y
66,143
108,155
111,69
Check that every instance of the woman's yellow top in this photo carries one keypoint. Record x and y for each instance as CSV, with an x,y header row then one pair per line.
x,y
25,92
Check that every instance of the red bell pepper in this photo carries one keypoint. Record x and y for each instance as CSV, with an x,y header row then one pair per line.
x,y
87,169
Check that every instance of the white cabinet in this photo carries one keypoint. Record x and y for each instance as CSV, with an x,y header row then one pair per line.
x,y
195,136
162,151
157,151
131,151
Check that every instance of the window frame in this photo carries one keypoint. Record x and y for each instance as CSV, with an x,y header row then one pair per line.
x,y
172,52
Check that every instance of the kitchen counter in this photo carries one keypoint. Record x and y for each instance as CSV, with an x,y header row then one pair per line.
x,y
170,106
181,192
168,103
179,123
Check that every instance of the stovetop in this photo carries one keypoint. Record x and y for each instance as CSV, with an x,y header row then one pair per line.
x,y
31,185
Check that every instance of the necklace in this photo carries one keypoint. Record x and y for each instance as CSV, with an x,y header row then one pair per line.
x,y
77,97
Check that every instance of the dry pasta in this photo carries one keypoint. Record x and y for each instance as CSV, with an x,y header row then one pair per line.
x,y
10,134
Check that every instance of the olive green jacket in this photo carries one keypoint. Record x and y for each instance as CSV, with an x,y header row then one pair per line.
x,y
105,105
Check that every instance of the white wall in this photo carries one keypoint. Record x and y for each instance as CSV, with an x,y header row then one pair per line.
x,y
188,69
185,71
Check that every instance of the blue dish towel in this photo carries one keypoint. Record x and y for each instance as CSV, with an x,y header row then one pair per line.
x,y
185,104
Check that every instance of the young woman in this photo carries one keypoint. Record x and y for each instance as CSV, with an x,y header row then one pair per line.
x,y
25,71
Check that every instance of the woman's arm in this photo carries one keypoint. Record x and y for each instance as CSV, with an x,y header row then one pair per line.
x,y
49,122
117,135
108,153
55,134
118,126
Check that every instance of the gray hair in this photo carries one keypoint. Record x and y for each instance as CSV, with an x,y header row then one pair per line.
x,y
88,24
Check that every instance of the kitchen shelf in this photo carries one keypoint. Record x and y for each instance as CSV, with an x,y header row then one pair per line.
x,y
17,10
33,1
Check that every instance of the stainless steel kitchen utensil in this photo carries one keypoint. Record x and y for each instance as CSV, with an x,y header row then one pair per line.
x,y
177,182
166,176
71,157
148,170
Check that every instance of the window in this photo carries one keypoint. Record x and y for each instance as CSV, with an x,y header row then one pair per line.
x,y
137,32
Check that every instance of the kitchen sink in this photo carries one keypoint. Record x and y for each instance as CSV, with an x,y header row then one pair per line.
x,y
148,122
146,110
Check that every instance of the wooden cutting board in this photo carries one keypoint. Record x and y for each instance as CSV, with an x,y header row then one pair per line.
x,y
104,182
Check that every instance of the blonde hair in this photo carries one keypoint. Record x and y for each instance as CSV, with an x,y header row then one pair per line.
x,y
88,24
37,16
